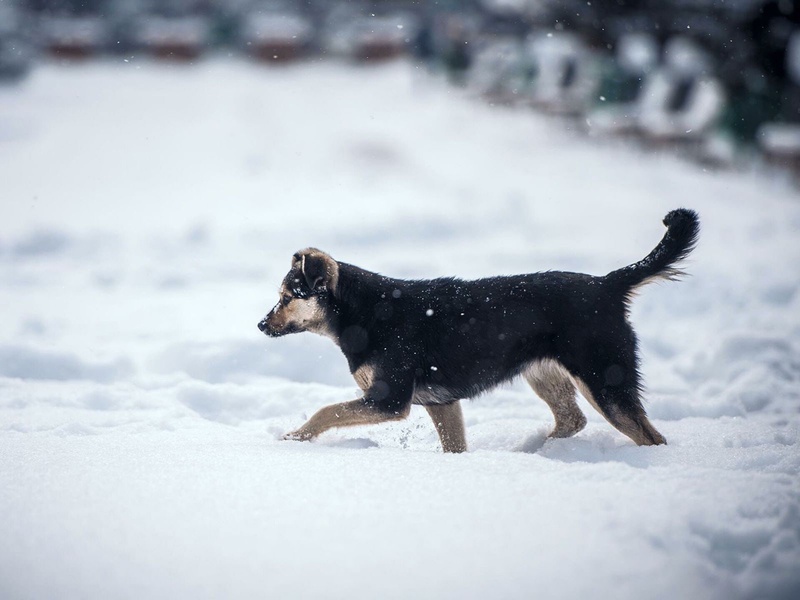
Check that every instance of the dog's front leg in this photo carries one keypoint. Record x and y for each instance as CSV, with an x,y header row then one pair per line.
x,y
356,412
449,422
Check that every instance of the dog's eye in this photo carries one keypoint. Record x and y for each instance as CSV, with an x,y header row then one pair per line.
x,y
285,299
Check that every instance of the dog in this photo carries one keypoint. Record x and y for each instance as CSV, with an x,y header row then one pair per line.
x,y
434,342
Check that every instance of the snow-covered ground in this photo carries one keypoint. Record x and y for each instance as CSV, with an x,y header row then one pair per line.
x,y
148,215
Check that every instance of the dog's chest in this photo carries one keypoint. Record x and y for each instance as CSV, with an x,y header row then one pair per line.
x,y
364,376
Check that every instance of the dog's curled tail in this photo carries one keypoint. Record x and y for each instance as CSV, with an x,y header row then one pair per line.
x,y
683,228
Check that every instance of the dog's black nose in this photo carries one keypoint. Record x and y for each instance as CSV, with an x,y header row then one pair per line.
x,y
262,325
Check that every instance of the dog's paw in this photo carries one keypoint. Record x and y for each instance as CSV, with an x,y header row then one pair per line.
x,y
298,436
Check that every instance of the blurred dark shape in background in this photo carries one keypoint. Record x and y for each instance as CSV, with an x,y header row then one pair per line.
x,y
718,78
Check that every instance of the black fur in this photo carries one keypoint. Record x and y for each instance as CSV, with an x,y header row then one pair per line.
x,y
437,341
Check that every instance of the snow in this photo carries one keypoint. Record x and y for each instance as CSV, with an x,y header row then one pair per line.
x,y
149,215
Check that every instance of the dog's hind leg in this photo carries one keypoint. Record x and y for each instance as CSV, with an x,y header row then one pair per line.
x,y
552,383
619,403
449,422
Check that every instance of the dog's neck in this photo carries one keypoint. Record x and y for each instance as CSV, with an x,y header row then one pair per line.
x,y
354,302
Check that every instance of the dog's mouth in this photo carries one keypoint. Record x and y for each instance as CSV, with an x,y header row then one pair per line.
x,y
265,328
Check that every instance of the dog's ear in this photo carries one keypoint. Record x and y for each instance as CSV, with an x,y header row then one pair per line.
x,y
318,268
314,270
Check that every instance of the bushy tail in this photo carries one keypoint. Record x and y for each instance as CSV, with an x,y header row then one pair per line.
x,y
683,228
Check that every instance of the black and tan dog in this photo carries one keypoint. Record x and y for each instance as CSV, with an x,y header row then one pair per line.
x,y
434,342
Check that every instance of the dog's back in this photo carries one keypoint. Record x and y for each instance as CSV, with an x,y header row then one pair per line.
x,y
464,337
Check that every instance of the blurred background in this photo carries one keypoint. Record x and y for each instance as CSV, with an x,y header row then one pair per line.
x,y
161,161
717,79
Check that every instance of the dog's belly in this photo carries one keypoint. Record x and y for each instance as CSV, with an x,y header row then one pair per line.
x,y
427,394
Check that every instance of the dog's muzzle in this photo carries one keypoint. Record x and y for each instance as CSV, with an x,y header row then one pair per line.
x,y
264,327
267,329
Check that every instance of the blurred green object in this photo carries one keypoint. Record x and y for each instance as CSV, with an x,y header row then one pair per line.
x,y
618,85
456,61
746,110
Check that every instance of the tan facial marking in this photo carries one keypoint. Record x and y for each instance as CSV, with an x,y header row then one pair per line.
x,y
304,312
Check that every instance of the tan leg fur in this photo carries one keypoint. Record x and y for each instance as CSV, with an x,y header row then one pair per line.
x,y
449,422
345,414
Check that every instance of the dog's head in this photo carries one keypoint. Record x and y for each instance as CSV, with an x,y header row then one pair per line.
x,y
305,295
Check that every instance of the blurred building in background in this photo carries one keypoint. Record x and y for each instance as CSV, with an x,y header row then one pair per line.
x,y
719,78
